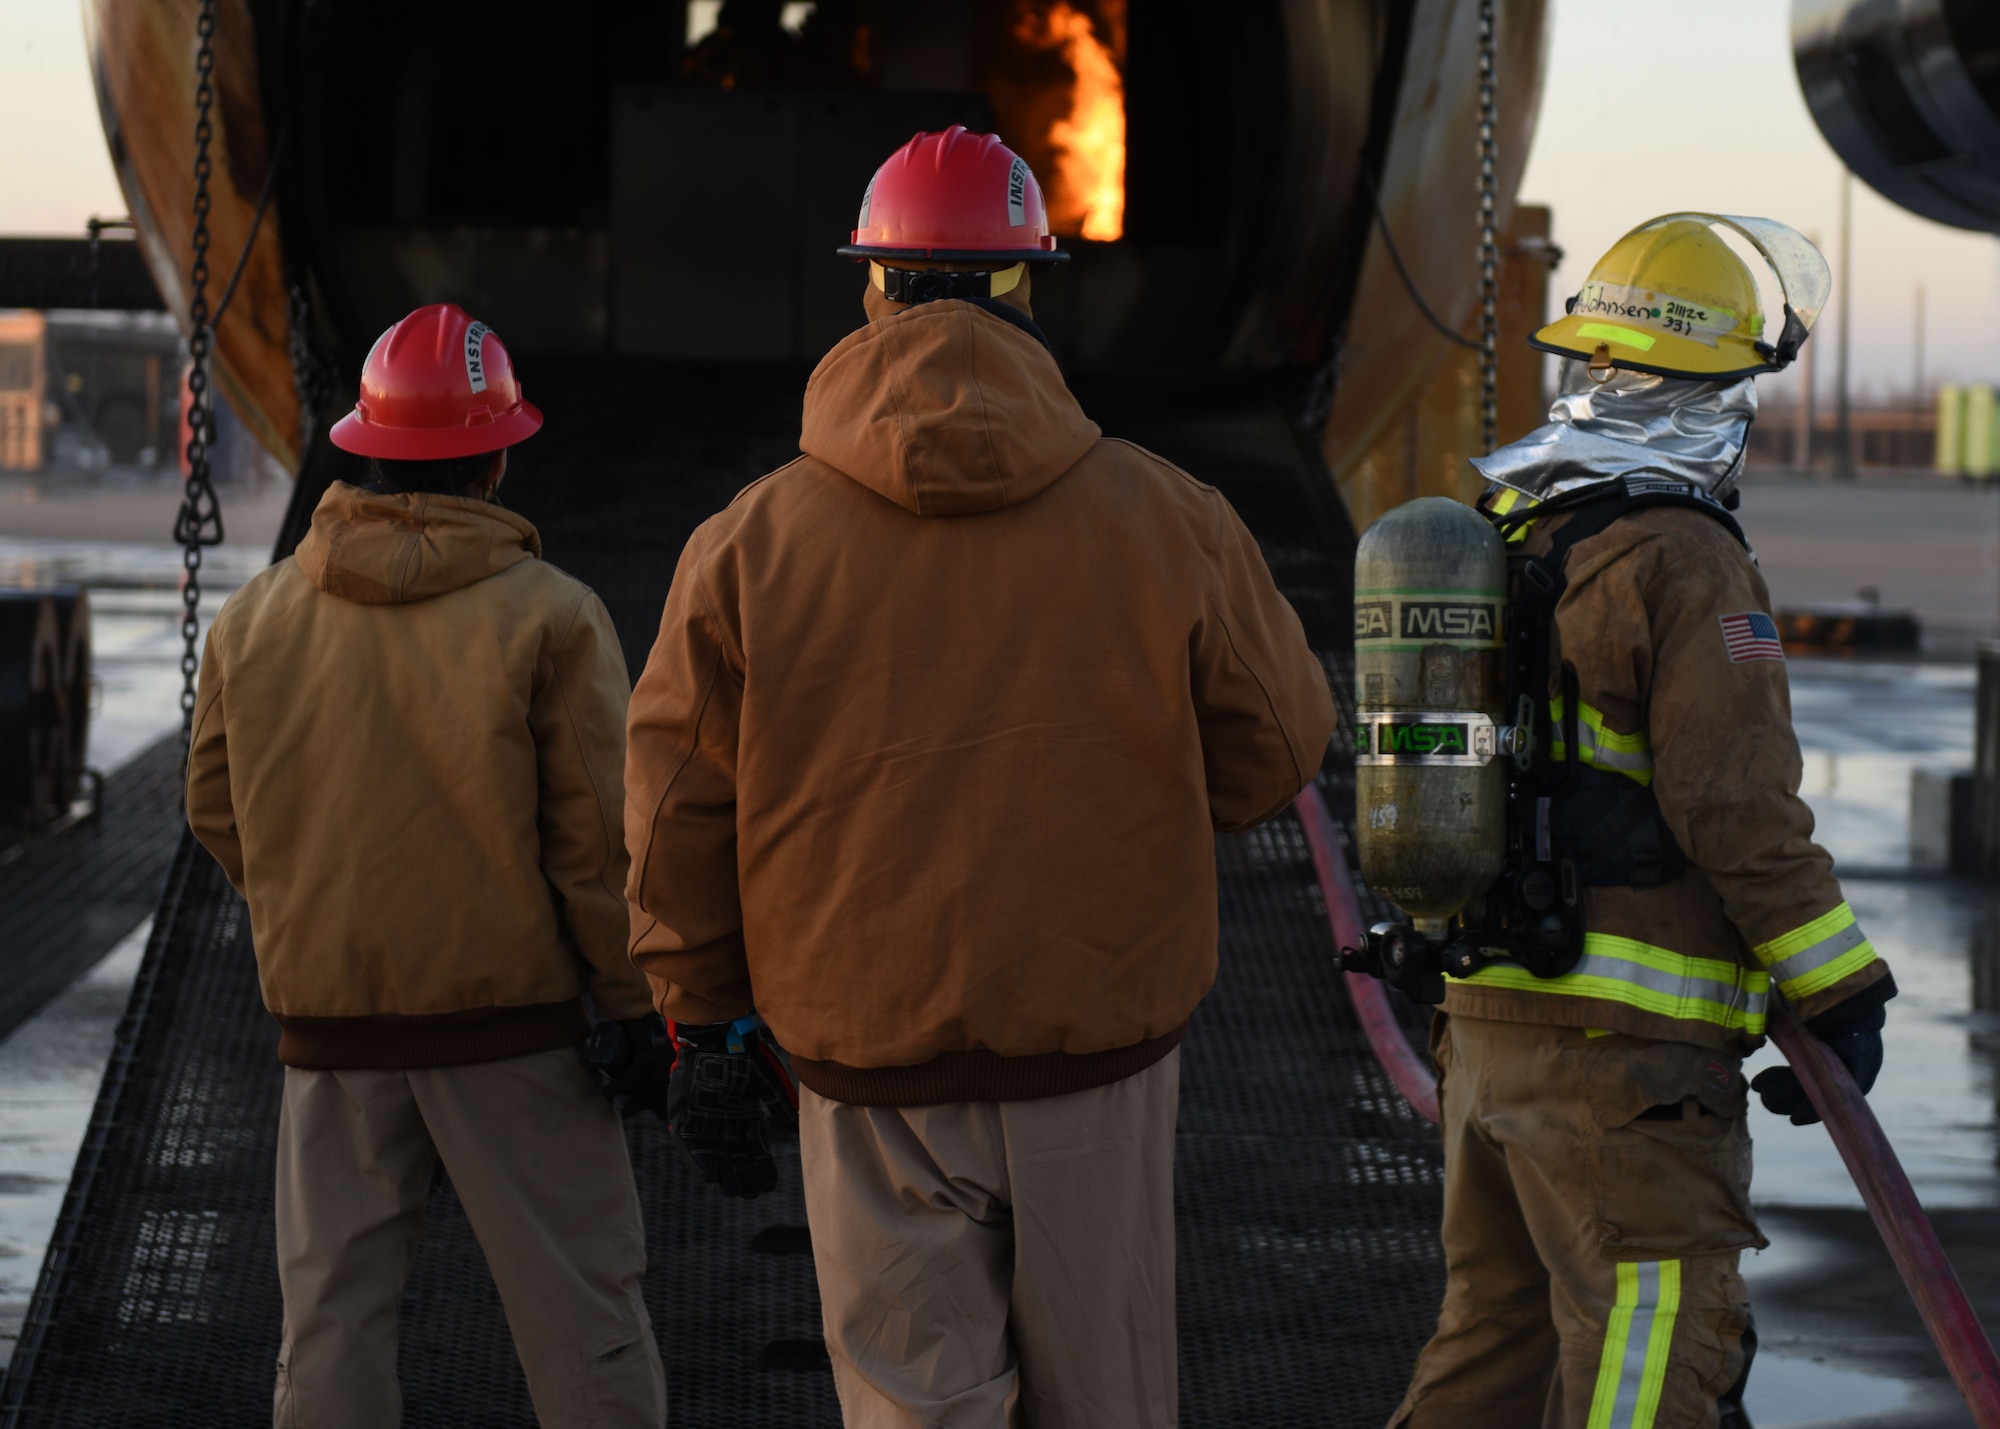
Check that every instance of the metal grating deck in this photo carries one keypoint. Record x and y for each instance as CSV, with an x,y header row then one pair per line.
x,y
72,893
1308,1193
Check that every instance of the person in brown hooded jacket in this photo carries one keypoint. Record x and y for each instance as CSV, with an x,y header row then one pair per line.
x,y
925,768
407,757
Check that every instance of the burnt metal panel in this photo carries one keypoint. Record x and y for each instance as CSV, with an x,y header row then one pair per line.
x,y
727,204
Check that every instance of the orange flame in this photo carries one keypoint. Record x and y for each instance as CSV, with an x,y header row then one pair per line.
x,y
1089,142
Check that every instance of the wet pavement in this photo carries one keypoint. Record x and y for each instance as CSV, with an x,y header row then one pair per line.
x,y
50,1067
135,626
1841,1343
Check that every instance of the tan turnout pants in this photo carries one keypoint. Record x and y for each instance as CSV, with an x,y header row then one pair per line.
x,y
1590,1251
999,1265
538,1159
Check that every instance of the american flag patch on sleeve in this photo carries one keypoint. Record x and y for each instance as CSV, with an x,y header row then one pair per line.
x,y
1751,636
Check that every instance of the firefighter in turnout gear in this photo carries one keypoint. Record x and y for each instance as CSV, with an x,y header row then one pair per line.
x,y
1597,1153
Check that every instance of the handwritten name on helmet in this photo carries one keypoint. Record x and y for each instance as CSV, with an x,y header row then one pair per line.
x,y
1702,321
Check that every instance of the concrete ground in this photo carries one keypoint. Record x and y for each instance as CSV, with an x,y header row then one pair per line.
x,y
130,506
1927,544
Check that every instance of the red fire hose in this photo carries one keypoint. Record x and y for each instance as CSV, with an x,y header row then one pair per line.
x,y
1892,1201
1399,1059
1857,1135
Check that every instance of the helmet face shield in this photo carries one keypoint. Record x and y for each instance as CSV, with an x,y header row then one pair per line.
x,y
1670,298
1803,276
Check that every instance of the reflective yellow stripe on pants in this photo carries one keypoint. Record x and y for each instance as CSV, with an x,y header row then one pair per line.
x,y
1637,1341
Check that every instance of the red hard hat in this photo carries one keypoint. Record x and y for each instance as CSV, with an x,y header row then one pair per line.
x,y
955,197
437,385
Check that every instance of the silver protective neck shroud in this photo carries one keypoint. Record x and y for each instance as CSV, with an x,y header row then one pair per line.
x,y
1634,423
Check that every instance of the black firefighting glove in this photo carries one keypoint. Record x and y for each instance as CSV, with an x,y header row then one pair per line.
x,y
727,1088
631,1059
1853,1031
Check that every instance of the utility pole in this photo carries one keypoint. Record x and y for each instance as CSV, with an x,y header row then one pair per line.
x,y
1843,437
1802,416
1807,412
1918,404
1917,363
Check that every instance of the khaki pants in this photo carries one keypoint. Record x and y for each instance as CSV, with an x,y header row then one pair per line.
x,y
990,1264
538,1159
1591,1251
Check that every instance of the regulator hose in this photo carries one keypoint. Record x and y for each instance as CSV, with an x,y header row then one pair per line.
x,y
1885,1187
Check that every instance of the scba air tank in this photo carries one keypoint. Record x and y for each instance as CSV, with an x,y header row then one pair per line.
x,y
1430,593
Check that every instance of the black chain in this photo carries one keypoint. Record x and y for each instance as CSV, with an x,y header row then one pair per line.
x,y
312,369
1489,239
200,521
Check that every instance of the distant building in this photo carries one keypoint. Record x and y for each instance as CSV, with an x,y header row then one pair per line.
x,y
1896,436
88,390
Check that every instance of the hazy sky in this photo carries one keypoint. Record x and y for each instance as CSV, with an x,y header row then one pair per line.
x,y
1616,145
1732,134
54,172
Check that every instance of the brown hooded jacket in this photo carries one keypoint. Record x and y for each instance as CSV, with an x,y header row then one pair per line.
x,y
926,762
408,755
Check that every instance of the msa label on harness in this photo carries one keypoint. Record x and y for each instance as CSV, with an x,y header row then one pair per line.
x,y
1017,193
1442,737
475,355
1423,617
1665,486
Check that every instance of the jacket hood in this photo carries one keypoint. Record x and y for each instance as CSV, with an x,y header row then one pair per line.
x,y
945,410
378,548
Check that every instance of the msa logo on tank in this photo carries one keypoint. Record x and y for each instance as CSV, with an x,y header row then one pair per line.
x,y
1449,737
475,355
1382,617
1413,739
1017,193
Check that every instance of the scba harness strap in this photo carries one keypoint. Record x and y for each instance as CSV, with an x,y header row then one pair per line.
x,y
1582,812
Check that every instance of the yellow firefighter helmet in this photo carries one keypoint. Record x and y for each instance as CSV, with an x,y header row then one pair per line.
x,y
1672,298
